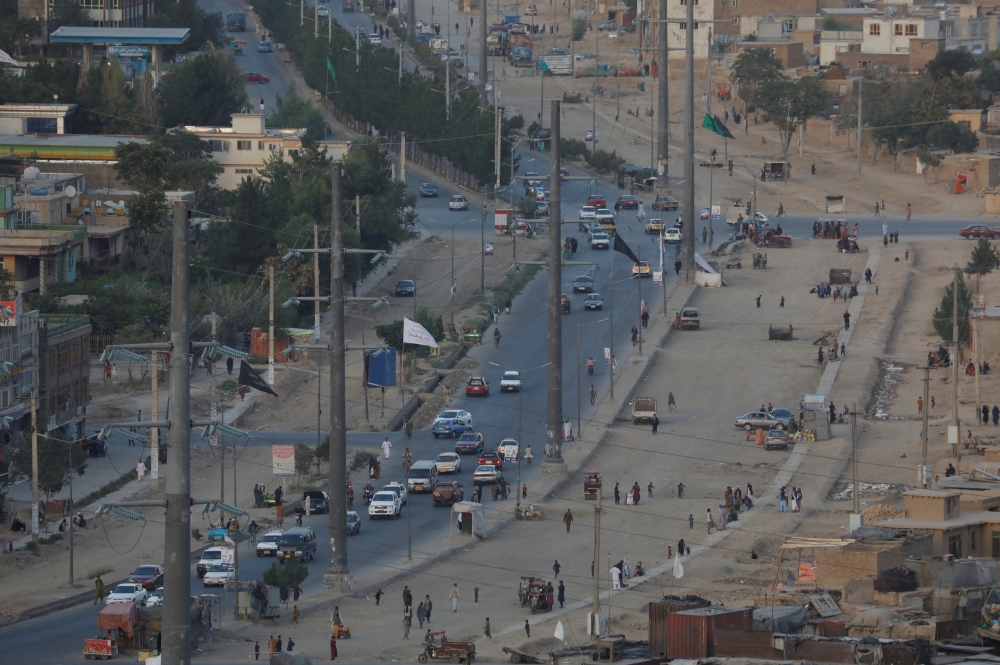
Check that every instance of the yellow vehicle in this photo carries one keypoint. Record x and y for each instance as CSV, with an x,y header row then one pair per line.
x,y
641,269
654,226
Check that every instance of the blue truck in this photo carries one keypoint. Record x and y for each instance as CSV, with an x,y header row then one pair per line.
x,y
236,22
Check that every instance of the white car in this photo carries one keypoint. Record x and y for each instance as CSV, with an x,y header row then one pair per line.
x,y
218,574
672,235
458,202
374,40
455,414
760,218
600,240
448,463
509,449
268,544
323,11
588,212
155,599
605,216
485,474
531,183
511,381
398,488
128,593
385,504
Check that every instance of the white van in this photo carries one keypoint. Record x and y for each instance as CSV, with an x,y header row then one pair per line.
x,y
421,476
212,556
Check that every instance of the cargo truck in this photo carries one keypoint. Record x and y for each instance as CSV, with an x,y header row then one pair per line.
x,y
236,22
520,50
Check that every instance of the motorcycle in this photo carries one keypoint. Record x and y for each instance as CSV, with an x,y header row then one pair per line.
x,y
369,493
590,366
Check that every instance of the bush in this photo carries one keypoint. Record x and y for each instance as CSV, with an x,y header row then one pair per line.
x,y
579,28
574,148
604,161
285,576
361,458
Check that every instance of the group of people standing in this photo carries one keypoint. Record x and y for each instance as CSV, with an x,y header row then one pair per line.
x,y
633,495
785,497
260,493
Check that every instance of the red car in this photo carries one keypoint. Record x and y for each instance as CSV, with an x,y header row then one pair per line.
x,y
448,491
563,173
627,202
980,231
253,77
597,201
477,385
150,577
490,457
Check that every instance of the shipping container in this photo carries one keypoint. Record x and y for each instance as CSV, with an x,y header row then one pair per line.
x,y
658,613
691,631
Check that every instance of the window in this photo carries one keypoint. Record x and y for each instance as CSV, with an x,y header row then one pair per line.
x,y
875,29
736,3
43,125
736,21
843,89
787,26
92,4
243,171
220,146
897,29
973,545
260,145
911,30
955,546
244,145
684,3
864,64
272,146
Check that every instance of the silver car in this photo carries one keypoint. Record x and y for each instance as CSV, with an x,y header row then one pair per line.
x,y
761,419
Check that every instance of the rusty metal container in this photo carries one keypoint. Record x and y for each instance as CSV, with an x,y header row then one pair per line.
x,y
658,613
691,631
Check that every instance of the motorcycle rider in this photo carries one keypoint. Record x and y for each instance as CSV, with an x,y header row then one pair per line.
x,y
590,365
369,493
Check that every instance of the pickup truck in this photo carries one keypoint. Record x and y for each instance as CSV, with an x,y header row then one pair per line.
x,y
643,410
690,319
511,381
654,226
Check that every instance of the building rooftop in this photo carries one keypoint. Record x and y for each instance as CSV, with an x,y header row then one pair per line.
x,y
930,493
60,324
72,35
965,519
849,10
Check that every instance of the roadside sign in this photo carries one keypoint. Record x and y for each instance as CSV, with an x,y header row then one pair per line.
x,y
607,354
657,278
131,51
716,212
488,248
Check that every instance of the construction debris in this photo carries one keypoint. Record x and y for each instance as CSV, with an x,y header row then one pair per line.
x,y
880,512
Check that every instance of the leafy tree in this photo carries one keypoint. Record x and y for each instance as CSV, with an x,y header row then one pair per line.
x,y
948,64
147,102
206,28
304,457
16,34
322,452
789,104
942,315
205,90
579,29
752,68
67,13
295,113
952,136
983,260
147,214
604,161
286,576
59,456
391,333
116,107
179,161
430,320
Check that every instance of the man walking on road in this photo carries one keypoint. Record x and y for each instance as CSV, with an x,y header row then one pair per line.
x,y
711,522
386,447
486,630
847,320
656,423
98,590
568,519
140,470
618,495
527,628
454,597
556,568
671,404
428,606
593,394
562,593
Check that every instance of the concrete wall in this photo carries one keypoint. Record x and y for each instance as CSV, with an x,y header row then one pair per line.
x,y
940,506
923,50
856,561
952,574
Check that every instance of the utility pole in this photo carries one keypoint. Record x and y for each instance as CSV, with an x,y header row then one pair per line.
x,y
302,13
854,448
447,89
554,463
454,287
400,63
482,52
923,447
496,148
402,157
70,513
34,466
596,608
270,327
411,23
954,361
688,230
154,433
482,250
663,124
316,21
316,312
211,359
638,249
357,48
593,105
337,575
860,81
176,642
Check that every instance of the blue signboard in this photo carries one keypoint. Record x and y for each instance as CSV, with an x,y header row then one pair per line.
x,y
130,51
382,368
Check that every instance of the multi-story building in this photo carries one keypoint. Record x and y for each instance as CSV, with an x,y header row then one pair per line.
x,y
102,13
891,35
18,346
704,10
63,372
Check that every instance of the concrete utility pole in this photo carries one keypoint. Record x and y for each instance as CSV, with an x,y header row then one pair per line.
x,y
176,642
337,576
497,127
402,157
923,443
447,91
554,463
302,13
597,567
663,123
154,433
482,52
482,250
316,21
270,327
316,312
860,81
411,23
957,357
688,230
854,448
34,466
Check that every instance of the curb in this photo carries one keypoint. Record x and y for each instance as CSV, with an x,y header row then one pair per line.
x,y
61,604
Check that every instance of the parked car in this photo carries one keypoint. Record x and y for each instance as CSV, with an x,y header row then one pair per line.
x,y
458,202
218,574
607,25
486,474
777,438
398,488
155,599
672,236
665,203
268,544
428,190
756,419
470,442
449,427
588,213
385,504
510,381
353,523
323,12
782,414
641,269
131,592
449,463
447,492
406,287
628,202
264,47
979,231
597,201
490,457
150,577
477,385
319,501
583,284
593,301
253,77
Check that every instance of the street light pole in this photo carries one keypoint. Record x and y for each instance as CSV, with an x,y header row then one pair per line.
x,y
688,230
554,463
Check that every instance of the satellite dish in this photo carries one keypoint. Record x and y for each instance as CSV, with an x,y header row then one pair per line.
x,y
31,173
770,18
71,191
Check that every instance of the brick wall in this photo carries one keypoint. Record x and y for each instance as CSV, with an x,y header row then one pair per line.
x,y
856,561
850,61
923,51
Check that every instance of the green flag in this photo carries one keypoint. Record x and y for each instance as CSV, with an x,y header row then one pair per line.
x,y
333,72
713,123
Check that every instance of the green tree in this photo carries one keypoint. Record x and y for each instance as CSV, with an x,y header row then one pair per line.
x,y
67,13
789,104
948,64
942,315
206,28
295,113
16,34
59,457
391,334
430,320
117,108
952,136
752,68
286,576
147,102
983,260
205,90
304,457
579,29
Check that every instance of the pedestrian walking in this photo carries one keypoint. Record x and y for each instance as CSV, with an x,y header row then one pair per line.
x,y
671,403
680,490
986,415
454,597
527,628
616,578
878,210
649,490
690,520
333,647
562,593
996,415
593,394
409,428
847,320
386,447
421,615
656,423
256,650
406,627
782,500
335,617
645,319
428,606
920,405
486,629
908,211
723,517
378,596
843,350
99,586
291,644
295,614
709,520
782,304
140,470
277,644
568,517
407,596
680,547
618,492
758,302
556,568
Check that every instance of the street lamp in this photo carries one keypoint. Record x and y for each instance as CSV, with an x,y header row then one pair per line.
x,y
517,493
579,376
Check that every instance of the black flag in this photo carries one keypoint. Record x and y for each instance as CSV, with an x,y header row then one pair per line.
x,y
248,377
620,246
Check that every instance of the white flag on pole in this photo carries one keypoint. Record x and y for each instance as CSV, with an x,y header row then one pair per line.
x,y
560,633
414,333
678,567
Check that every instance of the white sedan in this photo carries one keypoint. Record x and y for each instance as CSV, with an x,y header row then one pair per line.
x,y
510,381
760,218
218,574
448,463
485,474
458,202
128,593
672,236
588,212
374,40
155,599
455,414
398,488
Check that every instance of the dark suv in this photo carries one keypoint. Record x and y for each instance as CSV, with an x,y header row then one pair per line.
x,y
427,190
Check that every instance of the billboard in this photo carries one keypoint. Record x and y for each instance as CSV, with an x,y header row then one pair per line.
x,y
8,317
283,459
382,368
133,51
